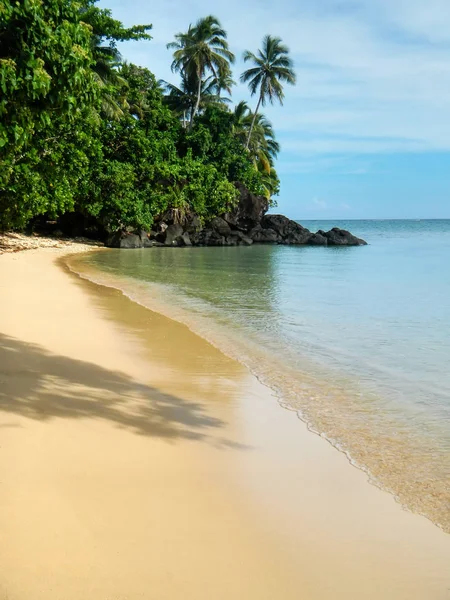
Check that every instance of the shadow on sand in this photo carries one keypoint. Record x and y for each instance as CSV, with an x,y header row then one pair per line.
x,y
39,385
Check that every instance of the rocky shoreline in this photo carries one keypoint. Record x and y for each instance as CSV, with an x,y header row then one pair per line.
x,y
248,223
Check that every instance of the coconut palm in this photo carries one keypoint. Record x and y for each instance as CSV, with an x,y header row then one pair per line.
x,y
106,32
107,59
257,135
270,182
182,100
272,67
202,50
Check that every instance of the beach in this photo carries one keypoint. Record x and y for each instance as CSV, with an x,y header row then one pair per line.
x,y
138,461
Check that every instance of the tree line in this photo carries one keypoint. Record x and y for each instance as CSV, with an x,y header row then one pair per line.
x,y
84,132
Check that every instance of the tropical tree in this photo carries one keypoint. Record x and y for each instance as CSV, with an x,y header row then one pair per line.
x,y
270,184
272,66
106,32
182,100
200,52
257,135
47,94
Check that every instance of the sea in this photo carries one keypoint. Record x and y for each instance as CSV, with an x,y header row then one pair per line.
x,y
355,340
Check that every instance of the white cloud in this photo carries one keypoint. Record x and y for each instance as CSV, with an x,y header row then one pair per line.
x,y
373,75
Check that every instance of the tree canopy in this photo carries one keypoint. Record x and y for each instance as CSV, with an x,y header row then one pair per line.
x,y
82,130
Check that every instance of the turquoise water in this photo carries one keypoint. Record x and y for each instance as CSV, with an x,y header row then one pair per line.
x,y
356,340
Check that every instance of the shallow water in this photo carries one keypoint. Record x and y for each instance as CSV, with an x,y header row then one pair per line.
x,y
356,340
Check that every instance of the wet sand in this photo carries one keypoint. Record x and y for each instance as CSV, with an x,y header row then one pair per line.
x,y
137,461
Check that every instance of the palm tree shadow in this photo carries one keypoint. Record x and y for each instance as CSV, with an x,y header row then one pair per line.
x,y
39,385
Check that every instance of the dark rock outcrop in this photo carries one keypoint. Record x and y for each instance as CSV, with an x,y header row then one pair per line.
x,y
264,236
172,235
185,239
289,232
316,239
249,210
242,239
146,241
246,224
341,237
220,226
123,239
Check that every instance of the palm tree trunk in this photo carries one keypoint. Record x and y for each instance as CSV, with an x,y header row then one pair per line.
x,y
253,122
199,95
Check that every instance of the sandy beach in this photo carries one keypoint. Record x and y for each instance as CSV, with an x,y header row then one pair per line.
x,y
139,462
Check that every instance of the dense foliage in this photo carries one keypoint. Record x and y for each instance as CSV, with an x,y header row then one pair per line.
x,y
81,130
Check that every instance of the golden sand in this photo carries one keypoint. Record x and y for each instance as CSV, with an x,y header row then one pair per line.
x,y
139,462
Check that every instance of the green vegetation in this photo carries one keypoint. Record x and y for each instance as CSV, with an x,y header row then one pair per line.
x,y
272,66
82,131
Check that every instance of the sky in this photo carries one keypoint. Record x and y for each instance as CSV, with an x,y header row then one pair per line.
x,y
365,133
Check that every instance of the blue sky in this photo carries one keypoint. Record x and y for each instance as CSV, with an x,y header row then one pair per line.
x,y
365,133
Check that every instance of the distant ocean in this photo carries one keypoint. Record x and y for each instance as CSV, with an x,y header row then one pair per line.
x,y
356,340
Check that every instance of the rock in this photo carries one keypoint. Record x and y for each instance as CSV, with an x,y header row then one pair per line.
x,y
341,237
146,242
215,239
123,239
192,224
209,237
243,239
232,240
171,234
249,210
185,239
220,226
289,231
264,236
316,239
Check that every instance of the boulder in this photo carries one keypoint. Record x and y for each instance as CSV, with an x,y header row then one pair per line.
x,y
192,224
215,239
232,240
341,237
289,231
264,236
243,239
220,226
248,211
209,237
172,234
316,239
185,239
146,241
123,239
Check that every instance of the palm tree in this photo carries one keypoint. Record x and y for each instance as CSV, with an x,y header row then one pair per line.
x,y
182,100
107,59
106,32
270,182
257,135
272,66
202,49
